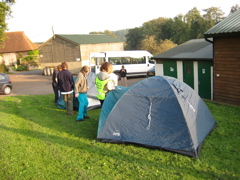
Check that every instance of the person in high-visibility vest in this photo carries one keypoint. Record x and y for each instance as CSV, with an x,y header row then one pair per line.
x,y
106,80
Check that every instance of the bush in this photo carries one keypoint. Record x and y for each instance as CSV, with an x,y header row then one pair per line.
x,y
3,68
22,67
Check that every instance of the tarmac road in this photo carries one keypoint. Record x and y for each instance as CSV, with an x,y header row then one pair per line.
x,y
34,83
30,83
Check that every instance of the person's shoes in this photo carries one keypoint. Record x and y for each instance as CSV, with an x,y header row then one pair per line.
x,y
72,113
86,117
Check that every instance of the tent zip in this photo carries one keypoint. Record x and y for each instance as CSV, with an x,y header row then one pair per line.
x,y
149,115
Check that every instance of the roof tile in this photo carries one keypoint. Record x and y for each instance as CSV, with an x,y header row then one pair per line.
x,y
89,38
227,26
192,49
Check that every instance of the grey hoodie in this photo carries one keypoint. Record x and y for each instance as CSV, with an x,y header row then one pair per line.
x,y
103,76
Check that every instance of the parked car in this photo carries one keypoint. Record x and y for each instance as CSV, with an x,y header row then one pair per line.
x,y
151,72
5,84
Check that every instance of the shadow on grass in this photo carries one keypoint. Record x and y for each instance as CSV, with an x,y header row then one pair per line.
x,y
41,110
77,144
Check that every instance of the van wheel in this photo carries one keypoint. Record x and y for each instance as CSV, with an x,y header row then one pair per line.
x,y
7,90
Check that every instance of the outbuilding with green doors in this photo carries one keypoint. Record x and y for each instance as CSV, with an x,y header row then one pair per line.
x,y
190,62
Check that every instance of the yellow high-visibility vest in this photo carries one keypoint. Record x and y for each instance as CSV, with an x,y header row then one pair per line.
x,y
100,86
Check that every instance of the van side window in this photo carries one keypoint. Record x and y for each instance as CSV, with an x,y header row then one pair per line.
x,y
125,60
114,60
138,61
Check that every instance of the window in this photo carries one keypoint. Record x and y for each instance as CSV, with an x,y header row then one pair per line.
x,y
2,77
188,70
138,60
115,60
97,61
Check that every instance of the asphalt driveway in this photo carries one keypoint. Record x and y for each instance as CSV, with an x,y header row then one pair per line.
x,y
30,83
34,83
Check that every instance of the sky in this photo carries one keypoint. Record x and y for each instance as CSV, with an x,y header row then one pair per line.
x,y
39,19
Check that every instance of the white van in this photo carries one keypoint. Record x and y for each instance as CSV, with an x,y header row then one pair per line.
x,y
136,62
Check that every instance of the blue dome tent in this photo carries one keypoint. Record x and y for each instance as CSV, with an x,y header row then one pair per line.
x,y
159,112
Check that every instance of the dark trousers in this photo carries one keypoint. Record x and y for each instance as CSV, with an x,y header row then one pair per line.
x,y
101,101
68,99
55,89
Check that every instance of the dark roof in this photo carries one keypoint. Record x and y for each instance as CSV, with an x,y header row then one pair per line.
x,y
16,42
228,26
89,38
195,49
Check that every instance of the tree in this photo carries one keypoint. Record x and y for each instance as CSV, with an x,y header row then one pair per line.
x,y
134,38
166,45
155,46
5,12
213,15
121,34
154,27
167,29
150,44
195,22
106,32
234,8
181,30
9,1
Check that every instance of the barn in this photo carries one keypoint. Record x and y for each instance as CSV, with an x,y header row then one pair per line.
x,y
75,49
16,45
226,54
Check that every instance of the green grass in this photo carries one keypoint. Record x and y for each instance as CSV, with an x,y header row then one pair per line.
x,y
39,141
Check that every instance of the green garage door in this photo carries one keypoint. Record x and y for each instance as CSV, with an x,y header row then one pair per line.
x,y
170,68
204,79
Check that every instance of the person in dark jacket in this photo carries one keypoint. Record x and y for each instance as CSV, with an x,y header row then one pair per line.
x,y
66,86
123,75
55,82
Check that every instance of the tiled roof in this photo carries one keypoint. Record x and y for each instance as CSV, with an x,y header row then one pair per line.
x,y
228,26
195,49
89,38
16,42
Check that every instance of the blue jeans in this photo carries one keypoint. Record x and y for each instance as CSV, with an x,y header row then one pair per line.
x,y
83,105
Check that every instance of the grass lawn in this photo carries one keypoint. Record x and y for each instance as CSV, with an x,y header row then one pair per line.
x,y
39,141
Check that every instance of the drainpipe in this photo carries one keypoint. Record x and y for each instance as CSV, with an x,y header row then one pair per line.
x,y
212,74
208,40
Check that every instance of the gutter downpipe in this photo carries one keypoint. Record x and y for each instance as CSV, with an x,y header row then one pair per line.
x,y
212,78
208,40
